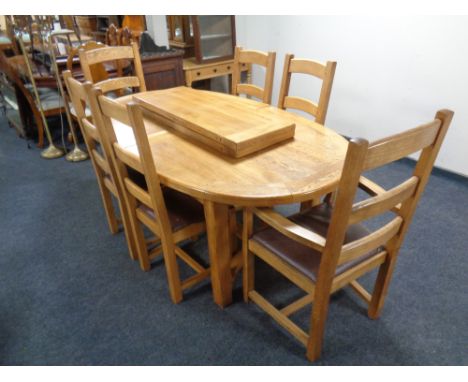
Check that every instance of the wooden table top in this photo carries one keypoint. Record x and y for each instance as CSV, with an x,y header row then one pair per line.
x,y
296,170
229,124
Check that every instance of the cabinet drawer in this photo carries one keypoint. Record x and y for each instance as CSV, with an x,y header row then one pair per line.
x,y
214,71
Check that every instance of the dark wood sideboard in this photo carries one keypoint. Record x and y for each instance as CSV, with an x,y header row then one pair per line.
x,y
163,70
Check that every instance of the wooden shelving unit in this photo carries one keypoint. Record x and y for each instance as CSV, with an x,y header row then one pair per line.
x,y
214,38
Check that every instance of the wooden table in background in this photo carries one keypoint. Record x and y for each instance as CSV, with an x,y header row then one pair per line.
x,y
300,169
196,72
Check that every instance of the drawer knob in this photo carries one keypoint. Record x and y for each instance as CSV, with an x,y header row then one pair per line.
x,y
215,70
229,68
198,73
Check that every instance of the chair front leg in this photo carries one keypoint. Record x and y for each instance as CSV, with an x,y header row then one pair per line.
x,y
318,320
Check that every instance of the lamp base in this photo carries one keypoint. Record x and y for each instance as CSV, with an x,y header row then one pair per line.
x,y
76,155
52,152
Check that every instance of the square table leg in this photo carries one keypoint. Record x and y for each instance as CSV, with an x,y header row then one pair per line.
x,y
219,247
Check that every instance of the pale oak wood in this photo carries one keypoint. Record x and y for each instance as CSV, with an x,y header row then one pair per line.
x,y
383,202
377,238
108,112
117,54
223,124
385,241
219,249
105,172
287,172
360,291
279,317
291,229
97,72
401,145
250,57
297,305
422,171
325,72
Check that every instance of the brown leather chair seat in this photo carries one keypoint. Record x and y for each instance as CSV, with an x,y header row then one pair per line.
x,y
182,209
301,257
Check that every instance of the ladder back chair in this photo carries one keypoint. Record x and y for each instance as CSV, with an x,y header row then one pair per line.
x,y
98,71
325,248
47,103
117,54
325,72
171,215
98,149
267,60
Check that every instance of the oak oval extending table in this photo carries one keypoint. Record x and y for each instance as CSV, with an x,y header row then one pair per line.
x,y
298,169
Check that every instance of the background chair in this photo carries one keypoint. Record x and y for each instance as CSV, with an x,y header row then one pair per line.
x,y
325,72
98,72
119,55
267,60
172,216
98,149
47,103
326,247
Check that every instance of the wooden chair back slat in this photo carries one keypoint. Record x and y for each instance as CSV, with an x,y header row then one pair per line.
x,y
76,93
384,202
90,130
113,84
325,72
250,90
376,239
140,194
110,53
100,161
255,57
401,145
311,67
299,103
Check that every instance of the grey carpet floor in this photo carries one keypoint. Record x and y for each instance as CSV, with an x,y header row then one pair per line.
x,y
70,295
